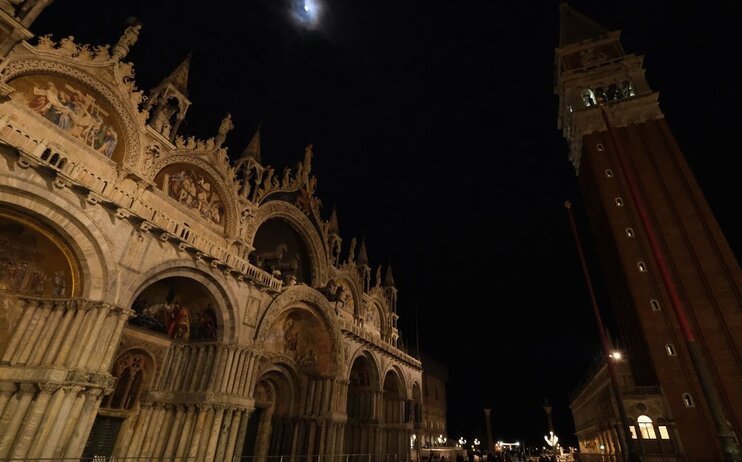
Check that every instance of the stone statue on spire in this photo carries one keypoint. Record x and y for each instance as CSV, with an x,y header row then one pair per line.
x,y
225,127
307,165
128,38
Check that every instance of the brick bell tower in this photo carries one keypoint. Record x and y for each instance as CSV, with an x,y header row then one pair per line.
x,y
596,81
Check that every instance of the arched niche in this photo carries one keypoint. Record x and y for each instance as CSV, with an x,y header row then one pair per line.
x,y
180,308
270,426
300,335
194,189
281,250
76,109
35,260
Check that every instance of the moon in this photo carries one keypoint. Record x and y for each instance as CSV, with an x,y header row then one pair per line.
x,y
307,13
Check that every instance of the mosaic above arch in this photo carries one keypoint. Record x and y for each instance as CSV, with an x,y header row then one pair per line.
x,y
193,187
178,307
74,108
34,260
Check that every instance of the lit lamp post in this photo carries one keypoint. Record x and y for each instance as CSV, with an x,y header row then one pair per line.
x,y
462,442
551,440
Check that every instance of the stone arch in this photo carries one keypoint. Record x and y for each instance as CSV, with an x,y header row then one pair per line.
x,y
311,301
361,403
98,269
319,264
187,269
349,284
125,117
417,403
224,189
276,398
394,439
362,352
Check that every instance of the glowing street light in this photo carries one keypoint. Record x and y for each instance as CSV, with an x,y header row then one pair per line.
x,y
616,355
462,441
552,439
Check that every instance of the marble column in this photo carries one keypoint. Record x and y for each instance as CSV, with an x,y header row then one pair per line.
x,y
216,426
31,423
12,420
87,416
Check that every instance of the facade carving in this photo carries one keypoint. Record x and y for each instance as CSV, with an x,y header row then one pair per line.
x,y
156,300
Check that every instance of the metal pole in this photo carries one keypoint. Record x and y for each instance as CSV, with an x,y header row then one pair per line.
x,y
626,439
729,444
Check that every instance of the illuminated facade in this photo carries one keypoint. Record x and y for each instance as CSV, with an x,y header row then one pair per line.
x,y
157,300
592,68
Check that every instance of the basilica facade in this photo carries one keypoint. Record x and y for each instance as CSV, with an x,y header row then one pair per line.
x,y
158,300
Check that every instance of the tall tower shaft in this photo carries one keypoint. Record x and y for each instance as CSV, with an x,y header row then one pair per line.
x,y
592,68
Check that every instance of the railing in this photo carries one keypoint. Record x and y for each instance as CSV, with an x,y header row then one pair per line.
x,y
641,391
69,172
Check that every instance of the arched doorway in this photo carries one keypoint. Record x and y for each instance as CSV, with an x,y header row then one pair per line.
x,y
360,429
292,398
270,428
394,428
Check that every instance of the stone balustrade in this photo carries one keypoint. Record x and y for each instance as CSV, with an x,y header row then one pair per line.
x,y
73,172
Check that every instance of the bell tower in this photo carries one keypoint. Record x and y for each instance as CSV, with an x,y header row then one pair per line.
x,y
669,271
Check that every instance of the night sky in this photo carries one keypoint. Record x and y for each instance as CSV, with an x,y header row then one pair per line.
x,y
434,132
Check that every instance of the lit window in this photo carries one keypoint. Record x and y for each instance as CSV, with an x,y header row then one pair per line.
x,y
646,428
655,305
663,432
619,202
642,266
609,173
670,350
688,400
629,232
632,429
599,147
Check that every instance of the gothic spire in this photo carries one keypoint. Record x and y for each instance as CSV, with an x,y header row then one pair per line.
x,y
575,27
179,77
333,225
389,280
252,151
362,254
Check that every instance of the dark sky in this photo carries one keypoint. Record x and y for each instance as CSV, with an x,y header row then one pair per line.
x,y
434,126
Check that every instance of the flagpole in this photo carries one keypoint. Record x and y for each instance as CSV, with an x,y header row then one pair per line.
x,y
726,435
626,440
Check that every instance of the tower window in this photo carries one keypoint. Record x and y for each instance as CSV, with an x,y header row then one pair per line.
x,y
655,305
599,147
632,429
619,202
608,172
670,349
629,232
646,428
688,400
642,266
663,432
588,98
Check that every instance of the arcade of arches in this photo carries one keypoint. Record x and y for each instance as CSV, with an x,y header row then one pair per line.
x,y
157,301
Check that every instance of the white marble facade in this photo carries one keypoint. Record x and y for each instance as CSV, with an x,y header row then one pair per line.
x,y
159,301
